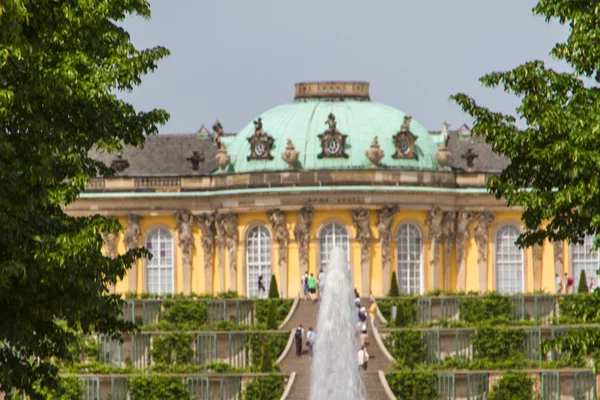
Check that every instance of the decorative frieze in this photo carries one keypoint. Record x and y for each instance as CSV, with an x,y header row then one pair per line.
x,y
276,218
434,225
448,236
462,235
206,222
131,240
361,221
185,226
302,235
485,220
384,223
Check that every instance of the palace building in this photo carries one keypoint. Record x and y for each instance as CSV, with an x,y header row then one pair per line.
x,y
329,169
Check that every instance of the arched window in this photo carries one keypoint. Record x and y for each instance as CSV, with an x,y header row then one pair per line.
x,y
408,245
584,259
258,259
509,261
159,270
332,236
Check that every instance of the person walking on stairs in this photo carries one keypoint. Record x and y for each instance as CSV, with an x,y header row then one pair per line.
x,y
298,337
363,357
261,288
373,312
304,284
312,287
310,341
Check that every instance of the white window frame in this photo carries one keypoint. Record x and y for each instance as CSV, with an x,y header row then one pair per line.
x,y
510,263
414,262
582,257
156,263
338,237
264,257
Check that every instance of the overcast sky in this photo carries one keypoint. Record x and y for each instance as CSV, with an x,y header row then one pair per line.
x,y
232,60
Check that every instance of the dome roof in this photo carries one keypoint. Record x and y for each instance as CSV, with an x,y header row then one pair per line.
x,y
355,116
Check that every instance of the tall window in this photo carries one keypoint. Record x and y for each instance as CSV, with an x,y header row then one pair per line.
x,y
408,245
332,236
258,259
509,261
159,269
584,259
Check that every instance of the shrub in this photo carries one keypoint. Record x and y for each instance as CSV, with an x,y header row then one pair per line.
x,y
69,388
185,314
583,287
157,388
492,306
499,344
580,307
406,347
512,386
273,288
266,364
269,387
394,291
272,317
282,309
406,312
411,385
259,342
173,348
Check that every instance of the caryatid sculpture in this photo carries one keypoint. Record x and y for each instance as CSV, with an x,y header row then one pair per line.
x,y
485,220
227,235
434,225
206,222
302,235
448,226
276,218
185,226
362,223
131,240
462,234
384,224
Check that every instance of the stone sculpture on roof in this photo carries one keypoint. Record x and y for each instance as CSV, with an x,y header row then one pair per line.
x,y
333,142
260,143
405,140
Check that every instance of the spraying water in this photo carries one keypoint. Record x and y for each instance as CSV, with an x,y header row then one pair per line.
x,y
335,373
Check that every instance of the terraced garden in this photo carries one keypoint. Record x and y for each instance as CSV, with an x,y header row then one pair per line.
x,y
186,348
493,347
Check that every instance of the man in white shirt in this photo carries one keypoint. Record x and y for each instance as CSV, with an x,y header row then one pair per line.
x,y
321,279
558,284
311,336
363,357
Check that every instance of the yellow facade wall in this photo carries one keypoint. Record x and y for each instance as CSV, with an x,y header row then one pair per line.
x,y
344,217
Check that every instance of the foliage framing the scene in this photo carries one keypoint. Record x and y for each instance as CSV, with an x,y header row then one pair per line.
x,y
62,64
555,151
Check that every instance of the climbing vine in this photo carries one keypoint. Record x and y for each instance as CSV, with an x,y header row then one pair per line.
x,y
174,348
268,387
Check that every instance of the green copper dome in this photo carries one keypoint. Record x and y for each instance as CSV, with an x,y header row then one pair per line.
x,y
355,116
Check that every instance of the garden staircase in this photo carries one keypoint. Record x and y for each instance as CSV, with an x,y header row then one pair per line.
x,y
306,313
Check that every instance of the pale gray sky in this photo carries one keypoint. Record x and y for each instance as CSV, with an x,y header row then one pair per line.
x,y
232,60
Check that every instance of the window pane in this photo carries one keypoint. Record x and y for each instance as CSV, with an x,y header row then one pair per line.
x,y
509,261
332,236
584,259
408,247
159,269
258,259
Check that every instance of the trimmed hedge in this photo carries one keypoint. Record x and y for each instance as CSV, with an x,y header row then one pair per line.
x,y
269,387
512,386
412,385
157,388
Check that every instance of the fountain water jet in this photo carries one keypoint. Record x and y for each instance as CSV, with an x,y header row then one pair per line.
x,y
335,374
